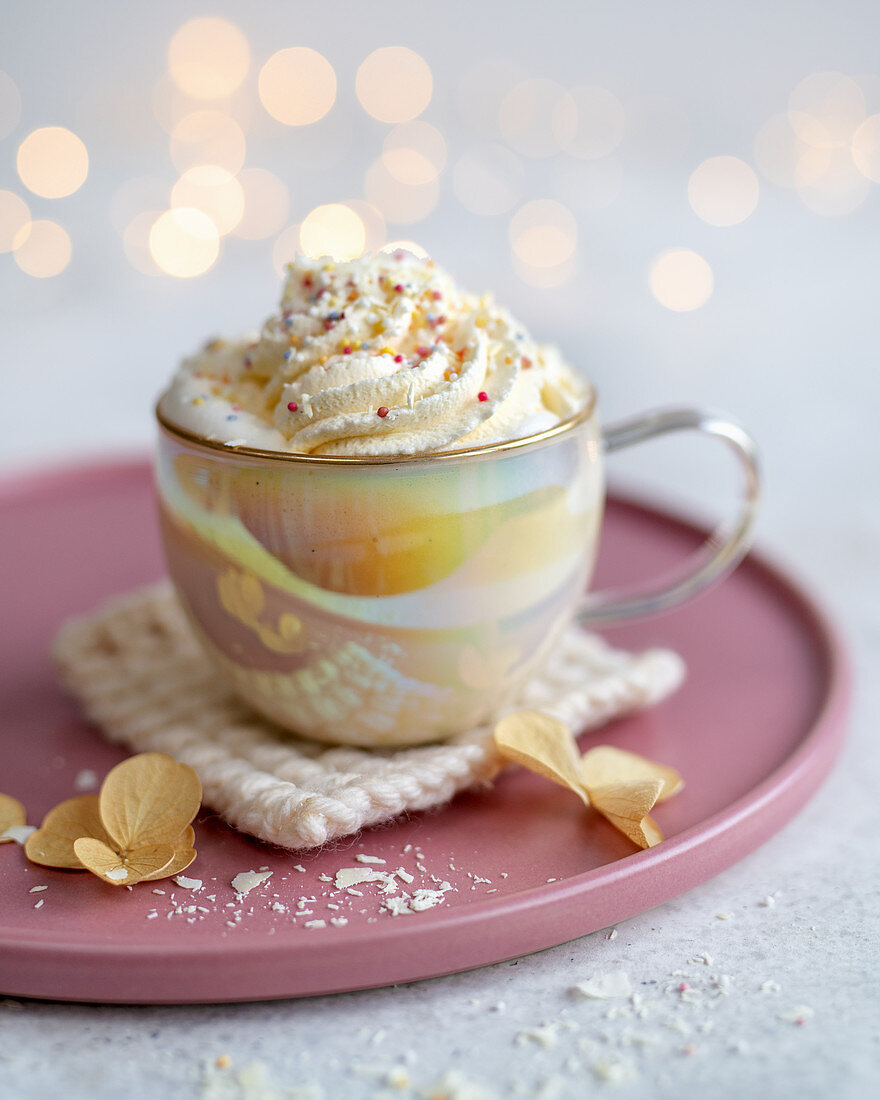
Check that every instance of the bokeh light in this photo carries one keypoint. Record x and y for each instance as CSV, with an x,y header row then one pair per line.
x,y
681,280
866,148
52,162
333,230
45,251
136,242
414,152
10,105
543,233
870,85
208,58
374,223
169,104
398,202
784,157
406,246
588,122
657,130
825,109
723,191
297,86
266,203
394,84
488,180
208,137
15,221
284,249
214,191
526,117
839,190
184,242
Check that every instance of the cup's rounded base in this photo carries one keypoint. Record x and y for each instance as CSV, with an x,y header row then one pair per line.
x,y
387,710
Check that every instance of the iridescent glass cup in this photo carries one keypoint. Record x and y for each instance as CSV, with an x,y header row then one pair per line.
x,y
400,600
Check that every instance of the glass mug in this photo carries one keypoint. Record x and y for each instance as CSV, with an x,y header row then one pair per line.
x,y
400,600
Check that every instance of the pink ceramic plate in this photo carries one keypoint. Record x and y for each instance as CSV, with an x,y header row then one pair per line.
x,y
754,731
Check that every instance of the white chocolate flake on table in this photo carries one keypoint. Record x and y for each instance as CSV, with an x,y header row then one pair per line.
x,y
245,881
397,907
426,899
544,1036
354,876
86,780
188,883
604,987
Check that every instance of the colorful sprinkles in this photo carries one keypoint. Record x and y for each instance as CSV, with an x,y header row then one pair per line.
x,y
424,331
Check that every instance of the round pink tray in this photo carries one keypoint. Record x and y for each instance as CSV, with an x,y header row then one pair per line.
x,y
754,730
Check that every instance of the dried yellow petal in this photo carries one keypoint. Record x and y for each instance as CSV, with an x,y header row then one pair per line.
x,y
544,745
11,814
627,805
149,800
620,785
52,844
123,870
605,764
184,854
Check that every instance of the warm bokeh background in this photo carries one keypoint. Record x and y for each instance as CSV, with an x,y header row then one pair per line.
x,y
685,197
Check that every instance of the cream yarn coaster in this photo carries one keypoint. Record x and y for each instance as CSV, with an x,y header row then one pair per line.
x,y
138,672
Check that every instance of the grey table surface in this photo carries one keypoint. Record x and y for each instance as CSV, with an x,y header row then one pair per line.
x,y
784,1000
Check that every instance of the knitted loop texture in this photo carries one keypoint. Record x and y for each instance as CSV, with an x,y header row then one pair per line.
x,y
137,670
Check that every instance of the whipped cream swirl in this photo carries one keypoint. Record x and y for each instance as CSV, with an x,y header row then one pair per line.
x,y
381,356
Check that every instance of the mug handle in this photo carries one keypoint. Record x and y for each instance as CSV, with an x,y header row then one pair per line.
x,y
723,549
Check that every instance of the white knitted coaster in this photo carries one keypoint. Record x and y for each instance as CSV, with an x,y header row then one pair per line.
x,y
138,672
